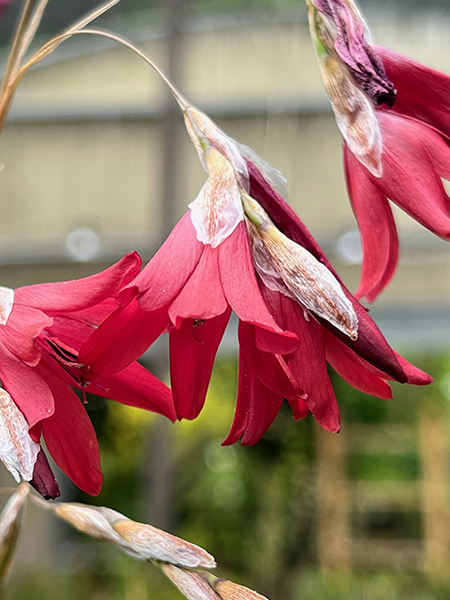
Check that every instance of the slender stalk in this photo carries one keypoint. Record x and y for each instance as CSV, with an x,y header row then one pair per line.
x,y
16,43
184,104
22,39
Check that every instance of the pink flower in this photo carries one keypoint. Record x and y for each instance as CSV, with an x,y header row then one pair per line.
x,y
240,247
397,152
44,329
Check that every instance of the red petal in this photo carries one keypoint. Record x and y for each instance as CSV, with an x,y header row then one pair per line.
x,y
256,408
264,365
299,408
80,293
308,362
241,287
136,386
26,387
70,439
263,407
409,176
121,339
43,480
377,226
241,411
18,335
202,296
414,375
354,370
192,352
170,268
423,93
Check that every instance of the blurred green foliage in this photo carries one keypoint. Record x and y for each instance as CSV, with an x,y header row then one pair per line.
x,y
253,507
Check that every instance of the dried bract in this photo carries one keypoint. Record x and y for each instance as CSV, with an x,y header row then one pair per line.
x,y
17,450
155,544
95,522
287,267
228,590
192,585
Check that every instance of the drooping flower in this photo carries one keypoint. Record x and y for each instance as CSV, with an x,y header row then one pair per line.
x,y
240,247
394,116
42,329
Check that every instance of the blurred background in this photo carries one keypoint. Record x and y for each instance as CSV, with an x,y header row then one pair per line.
x,y
95,163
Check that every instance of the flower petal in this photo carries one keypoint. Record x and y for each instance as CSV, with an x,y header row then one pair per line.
x,y
241,287
202,296
354,370
136,386
241,410
414,375
70,438
377,226
423,93
121,339
80,293
409,176
264,365
192,352
26,387
43,480
256,408
24,325
170,268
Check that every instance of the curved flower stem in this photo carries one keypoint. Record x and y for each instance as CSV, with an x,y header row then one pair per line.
x,y
49,47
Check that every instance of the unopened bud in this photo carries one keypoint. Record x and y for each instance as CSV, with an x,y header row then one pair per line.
x,y
155,544
190,584
286,267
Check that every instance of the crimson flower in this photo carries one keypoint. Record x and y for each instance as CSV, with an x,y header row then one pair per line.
x,y
394,116
43,327
240,247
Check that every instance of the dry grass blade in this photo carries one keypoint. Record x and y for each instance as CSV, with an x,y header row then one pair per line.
x,y
10,519
190,584
52,44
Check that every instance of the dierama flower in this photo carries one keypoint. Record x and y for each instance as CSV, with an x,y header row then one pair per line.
x,y
43,327
240,247
395,134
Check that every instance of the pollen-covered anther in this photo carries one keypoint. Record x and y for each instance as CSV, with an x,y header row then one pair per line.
x,y
287,267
